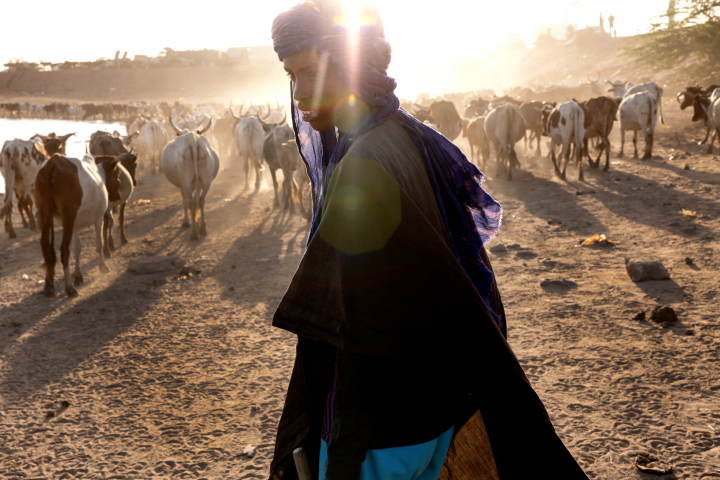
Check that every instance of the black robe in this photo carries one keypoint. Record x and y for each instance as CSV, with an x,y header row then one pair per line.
x,y
379,279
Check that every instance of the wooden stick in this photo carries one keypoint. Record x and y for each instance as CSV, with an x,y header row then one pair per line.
x,y
301,464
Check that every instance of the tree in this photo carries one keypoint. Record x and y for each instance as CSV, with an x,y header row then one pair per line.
x,y
690,29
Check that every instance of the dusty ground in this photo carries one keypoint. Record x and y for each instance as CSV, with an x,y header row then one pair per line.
x,y
172,376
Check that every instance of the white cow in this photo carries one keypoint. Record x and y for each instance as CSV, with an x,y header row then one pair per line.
x,y
713,117
249,139
190,163
655,90
150,141
504,127
565,126
20,161
639,111
75,192
619,89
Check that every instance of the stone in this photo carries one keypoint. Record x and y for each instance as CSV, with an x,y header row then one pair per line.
x,y
640,270
663,315
514,246
155,264
640,316
546,262
499,248
526,255
689,260
687,167
249,451
558,285
689,332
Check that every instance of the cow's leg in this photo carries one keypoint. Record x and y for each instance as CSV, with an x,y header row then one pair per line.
x,y
273,174
203,225
708,130
565,152
606,145
123,237
76,247
247,170
635,154
715,135
67,239
622,142
47,244
538,137
22,209
552,157
578,159
31,216
194,200
258,173
186,206
102,266
649,140
8,215
107,233
472,153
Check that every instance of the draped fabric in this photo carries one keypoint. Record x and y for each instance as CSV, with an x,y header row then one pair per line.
x,y
471,216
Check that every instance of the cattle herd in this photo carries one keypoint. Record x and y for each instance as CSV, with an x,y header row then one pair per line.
x,y
186,146
496,124
187,143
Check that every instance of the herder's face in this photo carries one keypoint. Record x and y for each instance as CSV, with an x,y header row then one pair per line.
x,y
321,95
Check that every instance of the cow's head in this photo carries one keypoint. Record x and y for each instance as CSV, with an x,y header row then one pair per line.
x,y
687,98
110,168
700,107
129,162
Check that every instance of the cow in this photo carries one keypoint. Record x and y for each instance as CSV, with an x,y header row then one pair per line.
x,y
713,114
279,134
190,163
78,193
600,114
504,127
290,162
446,117
475,108
422,114
150,141
52,143
478,140
114,145
656,91
565,125
125,190
638,111
618,89
302,180
20,161
532,113
250,139
275,115
699,99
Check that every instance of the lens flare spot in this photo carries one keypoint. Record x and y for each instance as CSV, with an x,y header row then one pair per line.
x,y
351,101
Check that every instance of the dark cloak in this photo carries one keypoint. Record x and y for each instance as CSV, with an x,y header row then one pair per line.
x,y
378,278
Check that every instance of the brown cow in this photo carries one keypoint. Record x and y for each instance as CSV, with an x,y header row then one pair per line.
x,y
600,114
477,138
446,118
114,145
77,193
532,113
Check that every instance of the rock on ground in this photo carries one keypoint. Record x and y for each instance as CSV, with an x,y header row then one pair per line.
x,y
155,264
640,270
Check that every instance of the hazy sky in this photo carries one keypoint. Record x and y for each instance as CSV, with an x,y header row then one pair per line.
x,y
86,30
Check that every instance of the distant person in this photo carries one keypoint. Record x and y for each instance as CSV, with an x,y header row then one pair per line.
x,y
611,26
602,23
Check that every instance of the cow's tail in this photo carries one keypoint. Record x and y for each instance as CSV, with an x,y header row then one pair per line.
x,y
196,158
579,133
660,112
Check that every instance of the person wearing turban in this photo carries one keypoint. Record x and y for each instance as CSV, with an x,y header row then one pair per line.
x,y
402,368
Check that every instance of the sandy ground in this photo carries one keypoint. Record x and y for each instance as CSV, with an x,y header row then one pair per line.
x,y
172,376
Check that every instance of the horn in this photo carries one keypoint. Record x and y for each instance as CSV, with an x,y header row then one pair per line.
x,y
284,118
177,130
269,111
233,114
278,104
200,132
261,120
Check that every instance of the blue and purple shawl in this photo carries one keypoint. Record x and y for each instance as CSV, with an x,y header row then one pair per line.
x,y
471,216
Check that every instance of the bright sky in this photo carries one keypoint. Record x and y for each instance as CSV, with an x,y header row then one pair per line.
x,y
418,30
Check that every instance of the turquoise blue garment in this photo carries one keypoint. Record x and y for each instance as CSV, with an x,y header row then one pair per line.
x,y
414,462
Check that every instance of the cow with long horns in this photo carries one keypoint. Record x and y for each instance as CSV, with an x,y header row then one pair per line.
x,y
191,164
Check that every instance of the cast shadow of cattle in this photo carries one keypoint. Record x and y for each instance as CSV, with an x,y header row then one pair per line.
x,y
263,260
545,199
77,331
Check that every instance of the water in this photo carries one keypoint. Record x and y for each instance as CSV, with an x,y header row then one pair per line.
x,y
26,128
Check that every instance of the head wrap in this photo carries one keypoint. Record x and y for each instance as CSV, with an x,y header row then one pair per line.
x,y
471,216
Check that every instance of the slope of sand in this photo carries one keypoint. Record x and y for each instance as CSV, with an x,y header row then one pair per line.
x,y
172,375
